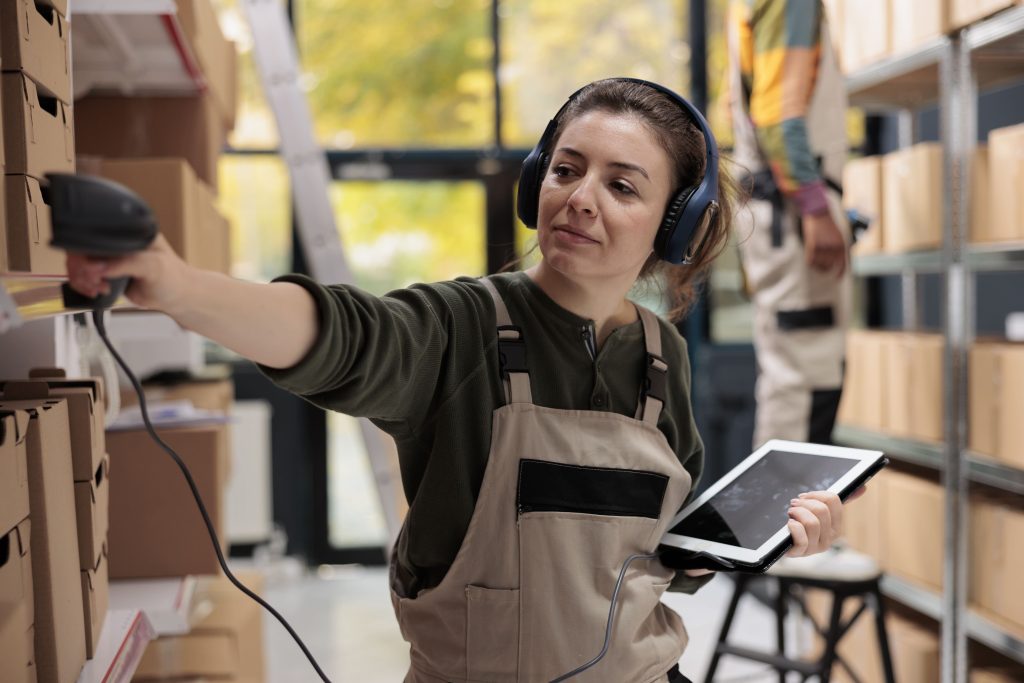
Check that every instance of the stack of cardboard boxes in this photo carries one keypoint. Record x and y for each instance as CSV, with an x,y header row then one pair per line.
x,y
17,636
873,30
35,89
60,426
166,148
156,531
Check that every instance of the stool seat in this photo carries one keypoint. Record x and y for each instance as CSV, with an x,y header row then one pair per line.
x,y
835,564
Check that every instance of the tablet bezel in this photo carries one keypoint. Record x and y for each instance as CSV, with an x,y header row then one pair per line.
x,y
862,460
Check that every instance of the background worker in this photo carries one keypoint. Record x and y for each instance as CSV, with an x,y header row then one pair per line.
x,y
788,109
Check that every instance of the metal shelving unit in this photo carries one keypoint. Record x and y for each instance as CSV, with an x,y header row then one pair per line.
x,y
980,469
949,72
978,627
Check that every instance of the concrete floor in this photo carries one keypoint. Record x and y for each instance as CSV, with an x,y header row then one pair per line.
x,y
344,615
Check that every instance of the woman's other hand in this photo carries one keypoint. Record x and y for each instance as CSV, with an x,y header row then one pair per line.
x,y
815,522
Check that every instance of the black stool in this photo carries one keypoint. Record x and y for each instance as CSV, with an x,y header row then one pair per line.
x,y
790,589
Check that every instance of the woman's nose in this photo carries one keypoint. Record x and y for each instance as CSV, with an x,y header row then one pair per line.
x,y
582,198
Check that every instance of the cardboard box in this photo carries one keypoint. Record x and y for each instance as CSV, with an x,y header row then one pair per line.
x,y
59,5
86,412
980,199
915,515
914,386
216,394
225,644
217,56
915,651
16,608
862,190
95,600
865,520
915,22
995,378
996,556
148,127
214,231
988,675
34,39
866,35
92,509
29,229
1006,177
38,133
181,204
964,12
155,527
13,469
912,198
865,401
59,636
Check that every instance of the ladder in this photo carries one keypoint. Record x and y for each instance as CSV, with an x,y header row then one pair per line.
x,y
278,66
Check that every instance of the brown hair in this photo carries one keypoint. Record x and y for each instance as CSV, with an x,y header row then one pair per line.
x,y
682,139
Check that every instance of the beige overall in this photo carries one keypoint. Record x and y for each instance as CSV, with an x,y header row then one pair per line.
x,y
800,356
528,594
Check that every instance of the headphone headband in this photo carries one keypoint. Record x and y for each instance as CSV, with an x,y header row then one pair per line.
x,y
686,208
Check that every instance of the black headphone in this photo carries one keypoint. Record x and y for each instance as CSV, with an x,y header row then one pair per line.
x,y
685,211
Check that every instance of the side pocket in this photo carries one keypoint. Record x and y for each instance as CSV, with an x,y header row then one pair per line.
x,y
492,634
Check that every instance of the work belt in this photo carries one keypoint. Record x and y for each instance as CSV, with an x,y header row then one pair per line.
x,y
762,186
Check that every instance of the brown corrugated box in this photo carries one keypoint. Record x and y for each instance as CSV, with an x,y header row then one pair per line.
x,y
980,200
95,600
865,402
29,229
866,519
216,394
866,34
155,528
17,615
915,22
151,127
914,529
995,390
34,39
59,5
215,232
86,412
914,386
217,56
996,557
912,198
59,632
915,651
13,469
92,509
225,644
38,129
182,206
862,190
1006,178
965,12
987,675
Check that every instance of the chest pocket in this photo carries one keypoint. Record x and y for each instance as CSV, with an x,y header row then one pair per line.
x,y
557,487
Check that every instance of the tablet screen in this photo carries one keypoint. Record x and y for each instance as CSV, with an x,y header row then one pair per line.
x,y
753,507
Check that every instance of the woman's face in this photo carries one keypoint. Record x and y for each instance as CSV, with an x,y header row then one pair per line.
x,y
603,197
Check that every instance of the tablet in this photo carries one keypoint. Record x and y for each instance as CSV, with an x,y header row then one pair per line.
x,y
740,523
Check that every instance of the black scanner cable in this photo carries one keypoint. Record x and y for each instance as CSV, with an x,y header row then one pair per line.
x,y
97,318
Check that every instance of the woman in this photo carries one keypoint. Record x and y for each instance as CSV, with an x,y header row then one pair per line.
x,y
543,421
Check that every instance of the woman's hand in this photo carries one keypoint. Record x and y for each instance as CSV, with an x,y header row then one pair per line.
x,y
816,521
159,276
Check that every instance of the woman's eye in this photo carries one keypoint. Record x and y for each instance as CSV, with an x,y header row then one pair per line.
x,y
622,188
561,171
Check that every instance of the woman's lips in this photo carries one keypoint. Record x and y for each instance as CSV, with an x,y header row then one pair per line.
x,y
567,235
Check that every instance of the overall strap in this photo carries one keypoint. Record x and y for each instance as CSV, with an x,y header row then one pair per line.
x,y
515,374
655,382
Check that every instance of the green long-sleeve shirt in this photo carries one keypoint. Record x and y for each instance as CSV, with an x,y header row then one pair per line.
x,y
422,364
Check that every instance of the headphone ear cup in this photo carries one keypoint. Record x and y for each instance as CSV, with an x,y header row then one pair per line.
x,y
670,225
530,178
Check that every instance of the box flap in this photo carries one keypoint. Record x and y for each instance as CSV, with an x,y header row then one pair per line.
x,y
21,390
47,373
19,419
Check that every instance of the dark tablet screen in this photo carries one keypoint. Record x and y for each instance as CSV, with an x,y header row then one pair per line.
x,y
752,508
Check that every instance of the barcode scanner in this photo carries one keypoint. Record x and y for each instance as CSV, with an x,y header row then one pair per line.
x,y
98,217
